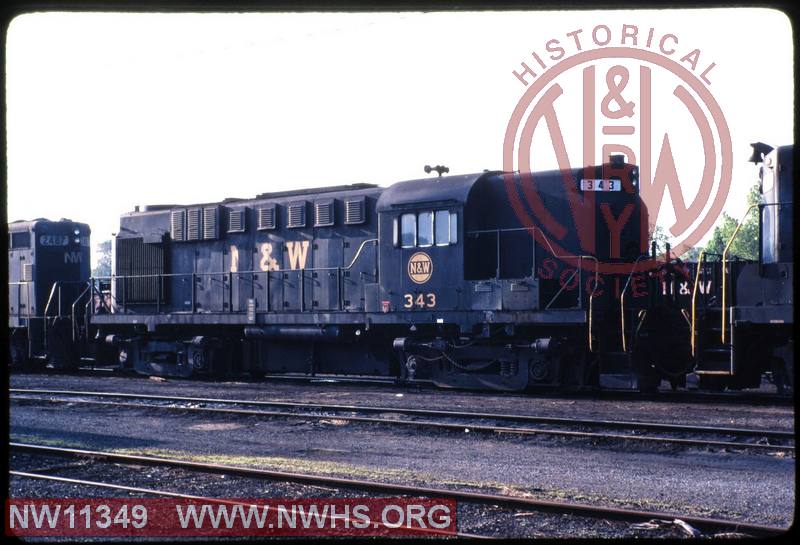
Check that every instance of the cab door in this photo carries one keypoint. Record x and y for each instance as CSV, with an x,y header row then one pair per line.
x,y
430,266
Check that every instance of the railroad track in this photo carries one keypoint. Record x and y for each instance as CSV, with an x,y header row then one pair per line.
x,y
501,423
423,532
665,395
579,509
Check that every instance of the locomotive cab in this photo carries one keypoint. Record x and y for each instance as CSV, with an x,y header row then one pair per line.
x,y
48,269
421,262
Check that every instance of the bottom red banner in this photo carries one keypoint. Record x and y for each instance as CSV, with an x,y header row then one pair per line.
x,y
230,517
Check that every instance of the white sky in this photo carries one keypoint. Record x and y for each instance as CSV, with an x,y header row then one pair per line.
x,y
107,111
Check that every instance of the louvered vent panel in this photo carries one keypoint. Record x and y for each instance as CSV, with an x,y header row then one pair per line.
x,y
193,224
323,213
266,218
178,225
236,219
210,221
27,272
140,264
297,215
354,211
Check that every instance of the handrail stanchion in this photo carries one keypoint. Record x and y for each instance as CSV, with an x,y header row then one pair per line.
x,y
622,302
724,263
700,259
339,287
302,276
230,291
497,257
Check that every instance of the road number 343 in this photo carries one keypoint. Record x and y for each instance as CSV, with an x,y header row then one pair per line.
x,y
421,300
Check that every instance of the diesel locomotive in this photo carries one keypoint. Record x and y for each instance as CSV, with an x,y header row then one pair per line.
x,y
48,269
466,281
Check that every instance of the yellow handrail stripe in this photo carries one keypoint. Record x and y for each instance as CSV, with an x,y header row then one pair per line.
x,y
694,299
724,269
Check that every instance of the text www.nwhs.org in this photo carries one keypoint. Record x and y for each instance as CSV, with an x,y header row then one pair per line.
x,y
231,517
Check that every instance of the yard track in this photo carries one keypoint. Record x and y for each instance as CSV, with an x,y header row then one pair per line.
x,y
572,508
459,421
424,532
663,395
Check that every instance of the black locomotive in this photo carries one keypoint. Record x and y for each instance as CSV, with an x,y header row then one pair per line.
x,y
745,327
444,279
48,269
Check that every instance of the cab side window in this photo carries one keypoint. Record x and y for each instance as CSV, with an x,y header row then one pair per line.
x,y
408,230
442,222
425,229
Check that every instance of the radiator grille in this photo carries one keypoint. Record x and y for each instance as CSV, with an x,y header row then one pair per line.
x,y
210,222
193,224
27,272
236,221
137,259
323,213
178,225
354,211
266,218
297,215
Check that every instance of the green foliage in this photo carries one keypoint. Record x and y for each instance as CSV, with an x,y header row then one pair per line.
x,y
746,243
692,254
661,239
104,262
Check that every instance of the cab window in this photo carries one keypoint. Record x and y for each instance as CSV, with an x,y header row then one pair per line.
x,y
20,240
408,230
425,229
442,222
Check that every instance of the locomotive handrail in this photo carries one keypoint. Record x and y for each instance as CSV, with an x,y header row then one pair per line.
x,y
309,269
700,259
75,302
724,263
622,301
239,274
47,308
559,256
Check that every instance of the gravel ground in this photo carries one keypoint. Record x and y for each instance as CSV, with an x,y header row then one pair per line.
x,y
727,414
740,485
472,518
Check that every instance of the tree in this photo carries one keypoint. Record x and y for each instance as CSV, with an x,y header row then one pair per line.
x,y
104,261
661,239
692,254
746,243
